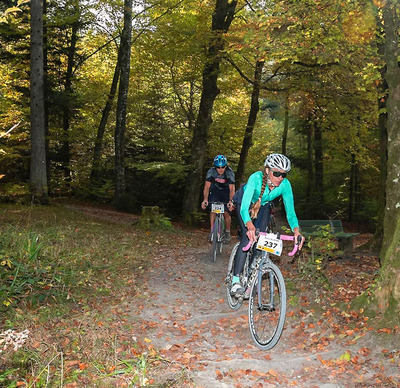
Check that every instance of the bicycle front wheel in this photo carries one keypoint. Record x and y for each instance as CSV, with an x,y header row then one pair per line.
x,y
233,302
267,306
215,237
221,227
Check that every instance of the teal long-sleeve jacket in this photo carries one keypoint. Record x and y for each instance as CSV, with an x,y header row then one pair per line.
x,y
251,192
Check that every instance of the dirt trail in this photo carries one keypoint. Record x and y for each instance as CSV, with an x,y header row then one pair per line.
x,y
183,313
188,319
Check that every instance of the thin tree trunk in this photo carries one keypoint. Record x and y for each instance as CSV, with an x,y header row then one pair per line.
x,y
285,126
319,167
66,147
38,176
357,194
351,186
46,94
94,176
310,166
248,135
124,57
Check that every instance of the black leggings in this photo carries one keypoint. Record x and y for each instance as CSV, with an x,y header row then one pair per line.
x,y
260,223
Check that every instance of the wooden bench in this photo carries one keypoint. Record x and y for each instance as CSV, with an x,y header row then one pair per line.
x,y
345,240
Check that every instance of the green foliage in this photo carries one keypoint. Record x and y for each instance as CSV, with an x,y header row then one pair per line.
x,y
313,265
58,267
315,58
152,219
22,272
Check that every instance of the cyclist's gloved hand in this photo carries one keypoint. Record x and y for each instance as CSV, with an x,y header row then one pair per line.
x,y
204,204
230,205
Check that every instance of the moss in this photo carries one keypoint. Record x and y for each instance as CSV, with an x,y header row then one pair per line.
x,y
366,303
391,316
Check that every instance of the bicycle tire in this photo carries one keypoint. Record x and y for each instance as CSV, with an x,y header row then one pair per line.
x,y
220,241
233,302
215,239
266,322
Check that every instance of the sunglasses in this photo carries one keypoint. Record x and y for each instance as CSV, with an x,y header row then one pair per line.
x,y
221,167
278,174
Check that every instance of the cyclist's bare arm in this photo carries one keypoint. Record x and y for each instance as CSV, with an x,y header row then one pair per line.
x,y
206,191
231,194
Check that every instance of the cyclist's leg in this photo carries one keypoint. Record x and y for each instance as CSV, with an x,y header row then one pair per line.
x,y
240,257
228,221
262,220
212,220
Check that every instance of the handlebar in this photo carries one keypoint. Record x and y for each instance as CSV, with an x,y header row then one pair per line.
x,y
283,237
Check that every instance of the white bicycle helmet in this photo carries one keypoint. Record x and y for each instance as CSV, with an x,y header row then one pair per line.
x,y
278,161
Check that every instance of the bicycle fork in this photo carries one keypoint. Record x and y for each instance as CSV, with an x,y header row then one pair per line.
x,y
268,306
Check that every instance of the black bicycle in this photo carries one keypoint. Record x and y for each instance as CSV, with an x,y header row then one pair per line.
x,y
218,229
264,287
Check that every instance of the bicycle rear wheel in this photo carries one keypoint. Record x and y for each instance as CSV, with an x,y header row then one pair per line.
x,y
267,306
215,239
233,302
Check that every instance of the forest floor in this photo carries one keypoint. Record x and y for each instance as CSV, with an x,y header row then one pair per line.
x,y
182,312
170,320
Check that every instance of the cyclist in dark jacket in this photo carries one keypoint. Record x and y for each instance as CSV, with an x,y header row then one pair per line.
x,y
220,187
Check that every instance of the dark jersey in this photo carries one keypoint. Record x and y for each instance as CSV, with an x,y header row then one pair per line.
x,y
220,182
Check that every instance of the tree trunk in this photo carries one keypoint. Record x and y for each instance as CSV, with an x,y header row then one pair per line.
x,y
351,186
124,57
310,167
388,287
357,191
98,145
248,135
46,94
66,148
38,175
319,166
376,241
285,126
221,20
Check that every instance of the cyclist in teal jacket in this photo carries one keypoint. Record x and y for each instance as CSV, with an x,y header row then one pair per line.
x,y
253,207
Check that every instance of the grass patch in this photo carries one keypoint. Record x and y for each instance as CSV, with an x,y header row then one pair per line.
x,y
69,279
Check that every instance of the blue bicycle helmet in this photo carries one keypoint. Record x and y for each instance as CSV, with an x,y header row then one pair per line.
x,y
220,161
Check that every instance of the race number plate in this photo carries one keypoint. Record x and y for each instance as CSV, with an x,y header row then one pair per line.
x,y
217,208
269,243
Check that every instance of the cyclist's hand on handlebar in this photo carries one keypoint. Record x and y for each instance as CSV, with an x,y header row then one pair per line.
x,y
204,204
230,205
251,231
299,238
